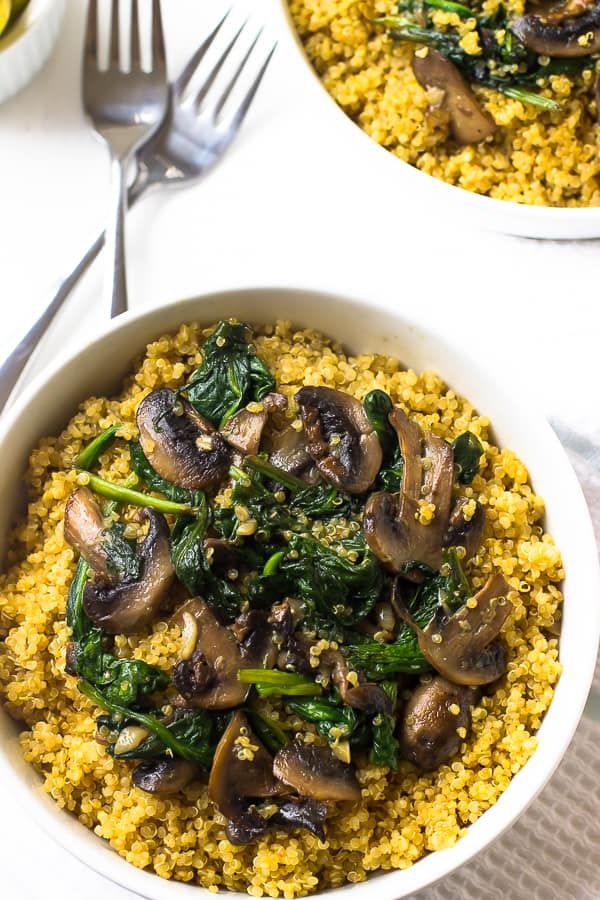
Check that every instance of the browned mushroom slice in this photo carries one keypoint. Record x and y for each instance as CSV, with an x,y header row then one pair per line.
x,y
367,697
340,438
464,529
243,431
289,450
85,530
180,444
390,521
207,674
242,771
257,638
241,768
571,30
428,726
164,776
462,647
469,123
126,607
315,772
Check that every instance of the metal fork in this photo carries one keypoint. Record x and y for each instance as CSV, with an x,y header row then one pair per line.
x,y
190,141
125,107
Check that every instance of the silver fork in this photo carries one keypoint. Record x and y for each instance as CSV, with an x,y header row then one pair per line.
x,y
187,145
125,107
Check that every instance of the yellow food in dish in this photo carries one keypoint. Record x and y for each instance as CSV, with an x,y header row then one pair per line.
x,y
535,156
402,815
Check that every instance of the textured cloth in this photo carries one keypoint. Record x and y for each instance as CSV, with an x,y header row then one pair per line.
x,y
553,851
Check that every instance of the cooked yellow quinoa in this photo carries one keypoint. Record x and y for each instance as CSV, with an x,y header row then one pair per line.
x,y
534,157
403,815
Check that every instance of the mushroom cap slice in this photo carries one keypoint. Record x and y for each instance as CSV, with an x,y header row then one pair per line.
x,y
242,767
84,529
315,772
289,450
208,678
428,736
462,647
390,521
572,30
368,697
163,775
128,606
180,444
243,770
469,123
340,438
243,430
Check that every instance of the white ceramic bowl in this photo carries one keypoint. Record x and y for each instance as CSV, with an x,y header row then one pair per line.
x,y
481,212
49,402
28,44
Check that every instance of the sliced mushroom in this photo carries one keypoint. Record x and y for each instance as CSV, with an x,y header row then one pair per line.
x,y
221,555
180,444
367,697
315,772
469,123
242,772
164,776
571,30
243,431
242,767
462,646
85,530
428,726
128,606
257,638
208,678
390,521
340,438
466,531
289,450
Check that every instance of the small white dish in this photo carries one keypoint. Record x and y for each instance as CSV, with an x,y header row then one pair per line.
x,y
363,326
25,48
558,223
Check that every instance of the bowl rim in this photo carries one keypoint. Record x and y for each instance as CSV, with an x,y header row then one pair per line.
x,y
29,19
559,215
85,845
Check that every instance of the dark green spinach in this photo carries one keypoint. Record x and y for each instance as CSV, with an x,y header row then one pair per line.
x,y
231,374
468,451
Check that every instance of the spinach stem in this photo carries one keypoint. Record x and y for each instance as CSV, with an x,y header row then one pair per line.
x,y
264,467
92,451
272,681
147,721
123,494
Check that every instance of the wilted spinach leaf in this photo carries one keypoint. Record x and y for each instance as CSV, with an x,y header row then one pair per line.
x,y
468,451
384,751
231,374
191,566
143,469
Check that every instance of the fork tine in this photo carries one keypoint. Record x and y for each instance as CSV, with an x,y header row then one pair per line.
x,y
136,49
208,82
91,32
227,90
113,59
158,39
234,122
187,73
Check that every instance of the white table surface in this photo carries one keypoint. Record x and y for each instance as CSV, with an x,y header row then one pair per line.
x,y
288,205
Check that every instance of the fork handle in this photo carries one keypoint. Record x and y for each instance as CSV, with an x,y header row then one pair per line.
x,y
116,282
